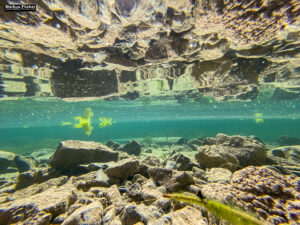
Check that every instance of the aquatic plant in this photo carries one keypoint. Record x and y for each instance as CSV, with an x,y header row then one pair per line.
x,y
85,121
231,214
104,122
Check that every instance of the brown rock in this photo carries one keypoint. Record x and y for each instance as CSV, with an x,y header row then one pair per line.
x,y
40,207
187,215
71,153
90,214
231,151
218,175
123,169
216,156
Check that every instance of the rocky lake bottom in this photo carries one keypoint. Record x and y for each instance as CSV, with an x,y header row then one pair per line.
x,y
85,182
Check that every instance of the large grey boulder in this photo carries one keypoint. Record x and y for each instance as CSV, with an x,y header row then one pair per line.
x,y
71,153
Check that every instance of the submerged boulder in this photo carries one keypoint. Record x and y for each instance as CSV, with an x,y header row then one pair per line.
x,y
133,147
71,153
216,156
6,159
231,151
288,140
123,168
172,180
271,196
39,208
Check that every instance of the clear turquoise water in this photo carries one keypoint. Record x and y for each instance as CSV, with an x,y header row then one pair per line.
x,y
30,124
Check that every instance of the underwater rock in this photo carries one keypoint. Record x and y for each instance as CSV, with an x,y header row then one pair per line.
x,y
196,141
30,177
160,175
89,214
187,215
133,147
218,175
6,159
173,180
287,159
209,141
134,192
287,141
182,141
149,150
39,208
247,151
71,153
278,153
94,179
150,160
133,214
212,156
260,190
178,181
113,145
123,169
199,173
181,162
24,163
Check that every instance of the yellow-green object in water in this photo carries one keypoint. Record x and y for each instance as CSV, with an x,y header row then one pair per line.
x,y
233,215
104,122
85,121
258,118
258,115
66,123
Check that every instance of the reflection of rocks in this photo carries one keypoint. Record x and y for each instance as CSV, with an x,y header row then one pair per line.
x,y
230,152
70,154
287,140
220,47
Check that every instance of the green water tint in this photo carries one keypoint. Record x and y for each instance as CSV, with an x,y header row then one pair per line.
x,y
31,124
